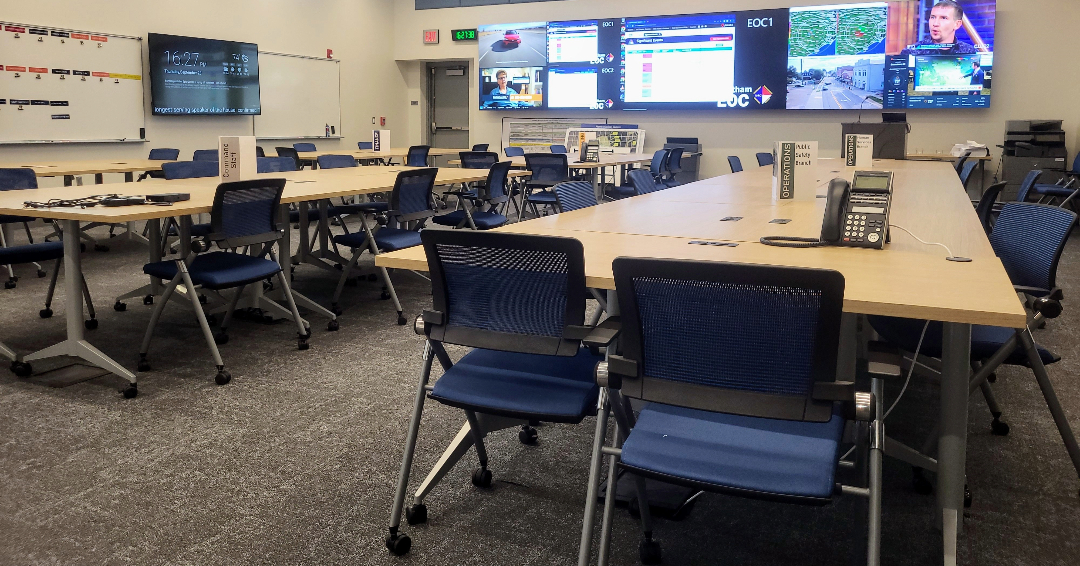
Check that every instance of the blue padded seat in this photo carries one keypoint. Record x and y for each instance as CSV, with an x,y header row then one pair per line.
x,y
218,270
31,252
558,389
748,454
543,197
387,239
985,340
483,220
1056,191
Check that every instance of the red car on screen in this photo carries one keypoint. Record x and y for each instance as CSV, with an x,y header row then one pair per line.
x,y
511,37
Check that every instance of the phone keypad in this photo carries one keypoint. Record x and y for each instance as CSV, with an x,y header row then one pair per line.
x,y
864,230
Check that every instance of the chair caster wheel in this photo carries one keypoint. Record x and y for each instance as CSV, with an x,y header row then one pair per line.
x,y
222,377
82,247
398,544
649,552
202,299
130,392
999,427
144,364
481,477
148,300
339,267
385,295
351,282
401,319
528,435
921,484
119,307
302,344
41,273
45,312
416,514
21,369
335,309
967,497
221,338
101,248
9,284
372,277
91,324
992,378
333,326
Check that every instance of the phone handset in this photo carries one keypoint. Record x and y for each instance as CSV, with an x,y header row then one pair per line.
x,y
856,214
836,203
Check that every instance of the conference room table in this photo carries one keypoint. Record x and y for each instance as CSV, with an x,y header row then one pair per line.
x,y
302,186
364,154
723,218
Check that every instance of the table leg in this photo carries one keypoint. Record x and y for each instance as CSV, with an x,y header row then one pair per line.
x,y
952,443
596,186
75,345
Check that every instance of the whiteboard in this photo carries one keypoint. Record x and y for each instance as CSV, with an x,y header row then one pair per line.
x,y
62,85
537,135
300,96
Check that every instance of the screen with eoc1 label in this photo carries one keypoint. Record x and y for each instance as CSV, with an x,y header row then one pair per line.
x,y
190,75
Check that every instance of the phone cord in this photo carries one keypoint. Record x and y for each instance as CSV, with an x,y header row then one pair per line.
x,y
792,242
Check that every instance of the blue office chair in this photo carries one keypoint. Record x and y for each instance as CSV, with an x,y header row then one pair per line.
x,y
643,182
190,169
417,156
764,158
480,147
290,153
558,148
1029,239
411,202
518,301
205,155
959,162
966,171
985,208
673,165
275,164
514,151
478,159
365,146
484,213
336,161
737,367
164,154
735,163
304,147
17,179
658,164
244,217
339,210
1028,184
574,195
547,170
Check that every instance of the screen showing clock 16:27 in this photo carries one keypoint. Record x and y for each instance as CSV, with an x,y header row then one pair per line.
x,y
189,75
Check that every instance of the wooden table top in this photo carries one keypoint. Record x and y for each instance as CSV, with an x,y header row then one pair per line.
x,y
606,160
369,154
302,186
907,278
944,157
43,168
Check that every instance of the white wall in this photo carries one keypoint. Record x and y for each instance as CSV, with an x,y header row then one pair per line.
x,y
371,82
1035,44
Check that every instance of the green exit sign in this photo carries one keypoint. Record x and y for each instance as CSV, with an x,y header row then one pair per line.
x,y
464,34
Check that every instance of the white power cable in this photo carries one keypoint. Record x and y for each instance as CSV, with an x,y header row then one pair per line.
x,y
922,240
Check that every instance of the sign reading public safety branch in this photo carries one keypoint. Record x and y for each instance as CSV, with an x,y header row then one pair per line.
x,y
236,158
794,171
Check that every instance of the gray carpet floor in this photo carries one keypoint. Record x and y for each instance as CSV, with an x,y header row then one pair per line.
x,y
295,461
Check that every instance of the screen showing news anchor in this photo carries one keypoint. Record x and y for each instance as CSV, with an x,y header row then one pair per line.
x,y
944,58
512,87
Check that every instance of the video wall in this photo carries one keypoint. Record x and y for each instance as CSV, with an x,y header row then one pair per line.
x,y
872,55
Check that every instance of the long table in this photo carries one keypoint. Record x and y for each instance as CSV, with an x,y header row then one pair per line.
x,y
906,279
399,152
302,186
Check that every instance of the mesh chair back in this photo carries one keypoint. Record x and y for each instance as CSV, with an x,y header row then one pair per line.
x,y
958,165
205,155
1027,184
259,151
412,198
365,145
17,179
764,158
190,169
498,175
656,166
480,147
304,147
735,338
508,292
275,164
735,163
290,153
246,212
1028,238
548,167
1076,164
674,161
418,156
478,159
514,152
336,161
558,148
966,171
165,153
643,181
575,195
985,208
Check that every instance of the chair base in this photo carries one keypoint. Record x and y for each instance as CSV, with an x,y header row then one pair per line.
x,y
670,501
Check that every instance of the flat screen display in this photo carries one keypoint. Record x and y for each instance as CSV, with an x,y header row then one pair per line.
x,y
190,75
513,65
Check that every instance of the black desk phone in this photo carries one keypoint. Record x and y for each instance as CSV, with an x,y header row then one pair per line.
x,y
858,214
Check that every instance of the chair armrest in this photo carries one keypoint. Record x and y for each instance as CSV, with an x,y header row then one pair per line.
x,y
1039,291
609,373
598,336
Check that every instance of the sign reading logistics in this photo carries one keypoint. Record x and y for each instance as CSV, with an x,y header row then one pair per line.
x,y
236,158
794,171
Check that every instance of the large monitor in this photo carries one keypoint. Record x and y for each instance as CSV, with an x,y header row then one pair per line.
x,y
190,75
513,65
